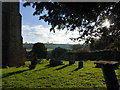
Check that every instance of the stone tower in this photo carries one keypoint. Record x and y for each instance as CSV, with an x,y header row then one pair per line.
x,y
13,53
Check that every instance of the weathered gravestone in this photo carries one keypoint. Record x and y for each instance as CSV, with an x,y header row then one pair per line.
x,y
80,64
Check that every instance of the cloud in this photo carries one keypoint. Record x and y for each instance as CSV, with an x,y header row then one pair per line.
x,y
38,33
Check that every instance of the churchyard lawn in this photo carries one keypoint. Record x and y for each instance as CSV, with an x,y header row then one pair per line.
x,y
63,76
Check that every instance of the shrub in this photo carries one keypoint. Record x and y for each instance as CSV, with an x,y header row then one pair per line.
x,y
58,53
33,61
99,55
40,50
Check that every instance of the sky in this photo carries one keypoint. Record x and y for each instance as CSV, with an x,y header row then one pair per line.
x,y
35,30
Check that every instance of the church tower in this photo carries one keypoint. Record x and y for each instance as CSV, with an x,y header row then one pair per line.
x,y
13,53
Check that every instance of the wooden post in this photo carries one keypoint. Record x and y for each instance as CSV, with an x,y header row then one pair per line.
x,y
108,68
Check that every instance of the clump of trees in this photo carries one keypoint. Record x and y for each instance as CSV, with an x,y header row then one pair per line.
x,y
39,51
86,17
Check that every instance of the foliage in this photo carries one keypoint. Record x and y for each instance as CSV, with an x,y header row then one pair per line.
x,y
63,76
107,54
87,17
77,46
33,61
106,42
58,53
40,50
98,45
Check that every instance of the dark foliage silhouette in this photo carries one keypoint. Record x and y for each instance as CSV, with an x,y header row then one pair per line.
x,y
86,17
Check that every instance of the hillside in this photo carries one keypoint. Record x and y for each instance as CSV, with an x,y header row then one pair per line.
x,y
50,46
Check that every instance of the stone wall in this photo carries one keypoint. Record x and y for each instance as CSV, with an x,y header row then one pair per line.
x,y
12,49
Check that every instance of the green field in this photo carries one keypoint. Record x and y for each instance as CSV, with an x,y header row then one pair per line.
x,y
63,76
28,50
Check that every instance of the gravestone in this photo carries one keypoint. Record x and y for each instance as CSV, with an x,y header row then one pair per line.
x,y
13,53
80,64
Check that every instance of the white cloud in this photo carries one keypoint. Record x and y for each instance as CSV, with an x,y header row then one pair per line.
x,y
25,27
38,33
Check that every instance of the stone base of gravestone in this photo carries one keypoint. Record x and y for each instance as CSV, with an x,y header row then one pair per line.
x,y
80,64
55,62
71,62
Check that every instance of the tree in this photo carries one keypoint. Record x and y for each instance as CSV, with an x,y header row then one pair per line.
x,y
39,51
87,17
58,53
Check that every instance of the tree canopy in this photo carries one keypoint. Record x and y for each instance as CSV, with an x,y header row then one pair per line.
x,y
86,17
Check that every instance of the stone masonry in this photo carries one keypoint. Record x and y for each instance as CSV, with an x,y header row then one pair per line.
x,y
13,53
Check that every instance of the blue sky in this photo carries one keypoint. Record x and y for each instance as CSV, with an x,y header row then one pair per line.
x,y
35,30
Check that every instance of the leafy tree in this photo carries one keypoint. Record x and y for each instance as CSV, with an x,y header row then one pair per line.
x,y
39,51
106,41
58,53
86,17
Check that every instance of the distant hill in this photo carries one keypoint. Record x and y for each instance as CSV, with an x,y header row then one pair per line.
x,y
50,46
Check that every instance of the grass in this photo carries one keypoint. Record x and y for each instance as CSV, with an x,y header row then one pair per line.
x,y
63,76
28,50
49,49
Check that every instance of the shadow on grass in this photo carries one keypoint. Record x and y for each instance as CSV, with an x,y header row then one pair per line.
x,y
12,73
62,67
46,67
76,69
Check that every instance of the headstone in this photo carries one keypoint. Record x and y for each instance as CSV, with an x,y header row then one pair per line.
x,y
80,64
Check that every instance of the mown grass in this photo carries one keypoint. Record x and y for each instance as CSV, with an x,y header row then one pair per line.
x,y
49,49
28,50
63,76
